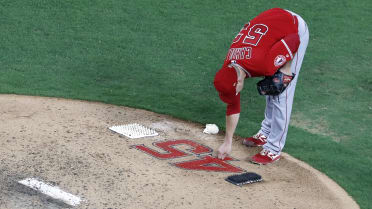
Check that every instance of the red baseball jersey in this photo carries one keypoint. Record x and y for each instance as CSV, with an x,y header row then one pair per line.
x,y
265,43
261,47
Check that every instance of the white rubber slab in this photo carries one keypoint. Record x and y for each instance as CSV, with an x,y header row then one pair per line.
x,y
134,130
51,191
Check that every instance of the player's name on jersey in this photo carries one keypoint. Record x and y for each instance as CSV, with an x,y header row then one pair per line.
x,y
239,53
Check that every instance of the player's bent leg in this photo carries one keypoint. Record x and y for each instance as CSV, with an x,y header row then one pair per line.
x,y
259,139
266,123
282,109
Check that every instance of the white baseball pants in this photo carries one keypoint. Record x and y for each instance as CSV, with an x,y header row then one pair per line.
x,y
278,108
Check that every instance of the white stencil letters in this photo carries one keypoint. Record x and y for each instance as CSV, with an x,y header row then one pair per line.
x,y
252,35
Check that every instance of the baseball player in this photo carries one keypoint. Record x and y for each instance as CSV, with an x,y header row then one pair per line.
x,y
272,45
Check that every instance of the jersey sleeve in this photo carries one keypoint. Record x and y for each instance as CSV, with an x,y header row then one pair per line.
x,y
234,106
281,52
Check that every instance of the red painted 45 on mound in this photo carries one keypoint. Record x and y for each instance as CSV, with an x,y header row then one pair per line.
x,y
203,156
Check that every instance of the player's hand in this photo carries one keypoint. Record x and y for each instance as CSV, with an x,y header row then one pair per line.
x,y
224,150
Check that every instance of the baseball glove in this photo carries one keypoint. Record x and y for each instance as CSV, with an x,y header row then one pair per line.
x,y
275,84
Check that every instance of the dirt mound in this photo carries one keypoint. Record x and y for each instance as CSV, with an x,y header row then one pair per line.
x,y
67,143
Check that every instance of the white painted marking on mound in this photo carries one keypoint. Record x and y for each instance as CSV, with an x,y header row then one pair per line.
x,y
51,191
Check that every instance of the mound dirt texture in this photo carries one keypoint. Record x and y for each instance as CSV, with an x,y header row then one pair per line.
x,y
67,143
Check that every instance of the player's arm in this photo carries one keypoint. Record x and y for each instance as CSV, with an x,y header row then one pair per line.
x,y
232,118
231,123
241,74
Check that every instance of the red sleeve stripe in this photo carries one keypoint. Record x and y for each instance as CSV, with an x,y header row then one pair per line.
x,y
286,46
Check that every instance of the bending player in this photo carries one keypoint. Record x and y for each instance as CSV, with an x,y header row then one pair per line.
x,y
273,45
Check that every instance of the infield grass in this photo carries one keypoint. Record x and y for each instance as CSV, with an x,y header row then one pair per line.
x,y
162,56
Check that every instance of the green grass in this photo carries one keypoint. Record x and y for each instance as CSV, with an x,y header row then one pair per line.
x,y
162,56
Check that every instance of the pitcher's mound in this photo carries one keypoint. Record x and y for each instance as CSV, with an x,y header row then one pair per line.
x,y
68,144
